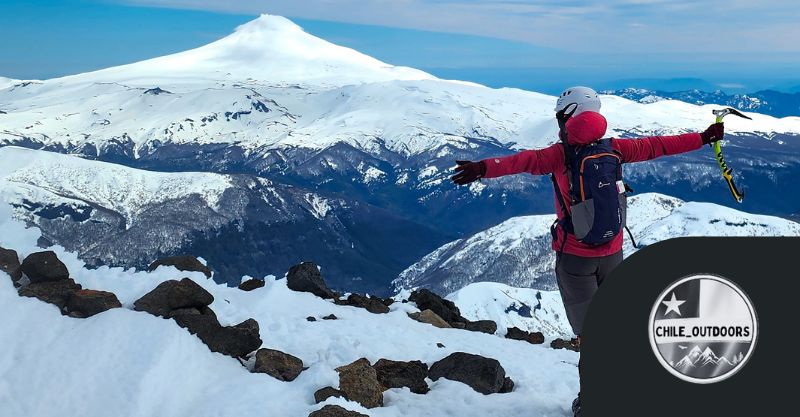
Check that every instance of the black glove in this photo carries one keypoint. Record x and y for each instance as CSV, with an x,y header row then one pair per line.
x,y
468,171
714,133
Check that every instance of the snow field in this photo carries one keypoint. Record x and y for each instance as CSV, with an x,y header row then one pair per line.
x,y
129,363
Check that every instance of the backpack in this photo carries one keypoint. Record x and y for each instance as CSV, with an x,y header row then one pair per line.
x,y
598,194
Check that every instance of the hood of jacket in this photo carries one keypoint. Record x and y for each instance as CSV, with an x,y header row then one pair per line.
x,y
586,127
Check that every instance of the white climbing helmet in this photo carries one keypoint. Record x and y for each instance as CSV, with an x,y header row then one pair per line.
x,y
577,100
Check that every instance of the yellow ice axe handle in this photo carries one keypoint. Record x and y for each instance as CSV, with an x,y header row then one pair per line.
x,y
726,172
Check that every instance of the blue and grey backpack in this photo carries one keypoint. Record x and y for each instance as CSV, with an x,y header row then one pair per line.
x,y
596,190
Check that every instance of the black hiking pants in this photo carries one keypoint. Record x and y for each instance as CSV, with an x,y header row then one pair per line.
x,y
578,280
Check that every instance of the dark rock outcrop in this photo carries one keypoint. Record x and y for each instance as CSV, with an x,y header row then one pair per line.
x,y
237,341
182,263
372,303
173,295
429,317
446,309
323,394
484,375
572,345
330,317
359,382
483,326
87,303
55,292
335,411
277,364
44,267
396,374
9,263
251,284
200,321
515,333
306,277
508,386
186,293
309,318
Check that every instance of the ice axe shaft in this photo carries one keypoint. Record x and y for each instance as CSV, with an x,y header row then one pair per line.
x,y
727,173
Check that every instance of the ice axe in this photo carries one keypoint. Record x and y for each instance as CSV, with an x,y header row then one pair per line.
x,y
726,172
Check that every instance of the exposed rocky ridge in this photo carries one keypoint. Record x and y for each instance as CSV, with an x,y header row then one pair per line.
x,y
187,304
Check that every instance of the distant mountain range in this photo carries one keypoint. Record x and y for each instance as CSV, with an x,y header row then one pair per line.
x,y
773,103
315,151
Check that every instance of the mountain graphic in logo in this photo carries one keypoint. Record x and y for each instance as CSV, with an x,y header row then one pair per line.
x,y
703,358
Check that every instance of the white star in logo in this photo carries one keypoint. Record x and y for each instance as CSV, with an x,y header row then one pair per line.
x,y
673,305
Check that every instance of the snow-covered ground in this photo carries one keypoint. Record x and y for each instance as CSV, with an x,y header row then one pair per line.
x,y
128,363
524,308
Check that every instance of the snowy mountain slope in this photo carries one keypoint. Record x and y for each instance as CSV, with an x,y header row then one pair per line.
x,y
517,252
114,215
271,85
524,308
140,365
381,138
47,178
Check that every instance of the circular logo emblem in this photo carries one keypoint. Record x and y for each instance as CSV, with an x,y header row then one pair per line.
x,y
703,328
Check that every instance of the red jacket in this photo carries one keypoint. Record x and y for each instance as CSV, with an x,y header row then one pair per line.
x,y
585,128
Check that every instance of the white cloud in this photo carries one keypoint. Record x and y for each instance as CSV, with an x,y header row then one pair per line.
x,y
612,26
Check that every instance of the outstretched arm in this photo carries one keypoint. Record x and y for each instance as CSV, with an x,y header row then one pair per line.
x,y
645,149
536,162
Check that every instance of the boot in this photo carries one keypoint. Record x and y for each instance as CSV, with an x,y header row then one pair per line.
x,y
576,406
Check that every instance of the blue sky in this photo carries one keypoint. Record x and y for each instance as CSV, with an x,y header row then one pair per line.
x,y
540,45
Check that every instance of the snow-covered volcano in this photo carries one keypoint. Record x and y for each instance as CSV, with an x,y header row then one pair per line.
x,y
268,49
518,253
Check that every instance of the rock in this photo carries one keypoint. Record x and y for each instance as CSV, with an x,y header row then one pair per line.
x,y
427,300
372,304
483,326
202,322
311,318
186,293
572,345
324,393
182,263
330,317
359,382
335,411
87,303
388,302
515,333
279,365
395,374
55,292
458,325
44,267
9,263
484,375
305,277
508,386
236,341
173,295
431,318
439,345
251,284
